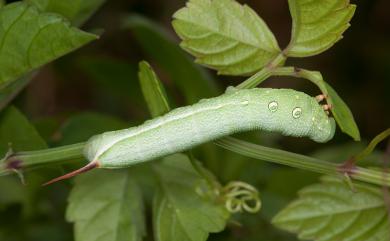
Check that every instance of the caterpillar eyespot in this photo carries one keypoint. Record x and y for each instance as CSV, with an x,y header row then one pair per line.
x,y
273,106
289,112
297,112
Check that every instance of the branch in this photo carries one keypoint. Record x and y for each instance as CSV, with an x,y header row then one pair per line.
x,y
303,162
263,74
28,160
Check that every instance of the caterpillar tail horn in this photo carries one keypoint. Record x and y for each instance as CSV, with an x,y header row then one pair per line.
x,y
90,166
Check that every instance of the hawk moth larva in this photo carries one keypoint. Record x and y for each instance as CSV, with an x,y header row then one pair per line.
x,y
287,111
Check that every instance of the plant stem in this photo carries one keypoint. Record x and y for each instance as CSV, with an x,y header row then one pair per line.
x,y
277,156
371,176
263,74
60,154
273,69
31,159
255,79
302,162
379,138
313,76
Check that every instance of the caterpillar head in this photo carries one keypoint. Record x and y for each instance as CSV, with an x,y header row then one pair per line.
x,y
323,127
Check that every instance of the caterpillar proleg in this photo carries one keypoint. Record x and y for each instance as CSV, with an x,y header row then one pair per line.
x,y
289,112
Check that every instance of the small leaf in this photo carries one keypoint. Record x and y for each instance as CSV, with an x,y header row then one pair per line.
x,y
317,25
331,211
30,39
342,114
226,36
185,208
340,110
106,205
16,130
153,90
78,11
191,79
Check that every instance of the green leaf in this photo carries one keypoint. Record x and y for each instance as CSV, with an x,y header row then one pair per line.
x,y
78,11
185,208
106,205
16,130
317,25
331,211
2,3
342,113
226,36
191,79
153,90
81,127
30,39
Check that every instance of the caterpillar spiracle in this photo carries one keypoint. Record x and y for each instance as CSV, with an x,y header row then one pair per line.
x,y
289,112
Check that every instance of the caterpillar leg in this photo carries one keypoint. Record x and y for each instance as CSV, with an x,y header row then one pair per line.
x,y
327,107
321,97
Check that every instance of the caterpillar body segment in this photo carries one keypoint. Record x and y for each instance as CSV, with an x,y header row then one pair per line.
x,y
289,112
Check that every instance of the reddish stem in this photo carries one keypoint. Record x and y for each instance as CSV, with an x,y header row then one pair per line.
x,y
348,167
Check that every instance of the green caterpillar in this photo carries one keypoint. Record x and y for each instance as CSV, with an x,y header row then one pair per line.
x,y
287,111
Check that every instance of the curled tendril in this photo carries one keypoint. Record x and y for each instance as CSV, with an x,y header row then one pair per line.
x,y
240,196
